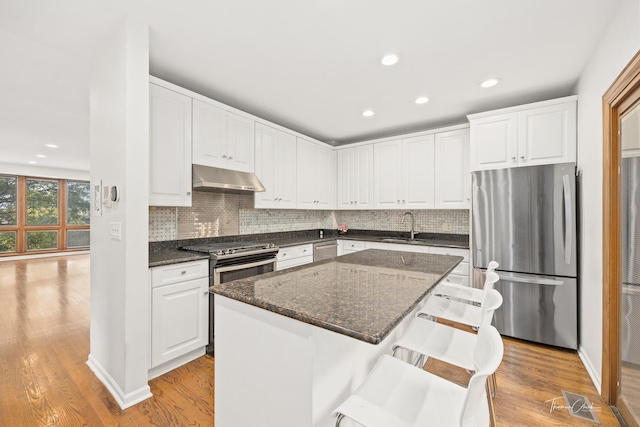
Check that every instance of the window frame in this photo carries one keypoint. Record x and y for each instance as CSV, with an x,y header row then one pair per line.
x,y
21,228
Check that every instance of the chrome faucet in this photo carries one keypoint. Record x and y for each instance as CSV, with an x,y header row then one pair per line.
x,y
413,223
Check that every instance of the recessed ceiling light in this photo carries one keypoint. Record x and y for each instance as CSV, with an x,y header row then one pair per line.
x,y
368,113
51,145
42,156
489,83
422,100
390,59
32,162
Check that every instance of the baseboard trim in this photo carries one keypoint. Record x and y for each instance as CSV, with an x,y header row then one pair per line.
x,y
124,400
175,363
593,373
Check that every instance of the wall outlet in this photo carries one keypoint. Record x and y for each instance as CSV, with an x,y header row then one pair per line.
x,y
115,231
446,226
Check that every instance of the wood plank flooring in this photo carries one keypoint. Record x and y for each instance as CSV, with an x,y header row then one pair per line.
x,y
44,379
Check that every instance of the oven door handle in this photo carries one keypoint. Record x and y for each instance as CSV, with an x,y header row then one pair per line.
x,y
243,266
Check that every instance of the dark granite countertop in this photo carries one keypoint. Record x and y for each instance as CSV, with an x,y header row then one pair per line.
x,y
173,256
363,295
165,253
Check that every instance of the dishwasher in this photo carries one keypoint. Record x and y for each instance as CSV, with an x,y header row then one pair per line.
x,y
325,250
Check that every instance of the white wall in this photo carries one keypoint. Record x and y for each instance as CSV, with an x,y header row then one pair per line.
x,y
617,46
119,141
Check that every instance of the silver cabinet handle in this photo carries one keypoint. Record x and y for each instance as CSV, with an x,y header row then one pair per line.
x,y
230,157
532,280
183,272
513,158
188,193
206,293
522,157
224,156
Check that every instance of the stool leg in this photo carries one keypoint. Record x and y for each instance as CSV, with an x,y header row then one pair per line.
x,y
492,414
495,384
340,417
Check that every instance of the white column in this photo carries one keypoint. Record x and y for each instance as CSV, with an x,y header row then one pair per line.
x,y
119,141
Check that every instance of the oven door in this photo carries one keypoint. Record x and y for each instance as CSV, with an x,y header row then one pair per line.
x,y
227,273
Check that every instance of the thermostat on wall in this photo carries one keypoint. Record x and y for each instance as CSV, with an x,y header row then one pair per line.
x,y
114,193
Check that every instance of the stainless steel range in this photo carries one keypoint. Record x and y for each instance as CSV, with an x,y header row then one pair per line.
x,y
232,261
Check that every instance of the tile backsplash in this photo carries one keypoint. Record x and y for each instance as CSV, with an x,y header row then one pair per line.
x,y
227,214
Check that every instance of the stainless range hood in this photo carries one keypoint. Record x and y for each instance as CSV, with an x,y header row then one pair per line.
x,y
206,178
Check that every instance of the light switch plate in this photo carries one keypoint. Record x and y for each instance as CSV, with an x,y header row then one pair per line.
x,y
115,231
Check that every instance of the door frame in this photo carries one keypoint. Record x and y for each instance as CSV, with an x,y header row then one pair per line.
x,y
621,95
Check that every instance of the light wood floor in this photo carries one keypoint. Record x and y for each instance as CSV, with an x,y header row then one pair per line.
x,y
44,379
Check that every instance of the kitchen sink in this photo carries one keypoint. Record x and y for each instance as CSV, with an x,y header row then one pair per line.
x,y
403,241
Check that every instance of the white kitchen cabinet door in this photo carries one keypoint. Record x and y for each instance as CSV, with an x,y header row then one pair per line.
x,y
209,135
306,175
169,148
547,135
316,176
387,175
494,142
355,178
179,319
240,143
418,172
363,177
325,180
276,168
452,174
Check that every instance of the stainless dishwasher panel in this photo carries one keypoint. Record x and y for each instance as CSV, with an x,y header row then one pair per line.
x,y
325,250
542,309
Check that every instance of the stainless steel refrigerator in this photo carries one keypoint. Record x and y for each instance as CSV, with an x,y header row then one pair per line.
x,y
525,219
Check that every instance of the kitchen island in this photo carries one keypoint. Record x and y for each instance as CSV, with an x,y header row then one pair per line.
x,y
292,345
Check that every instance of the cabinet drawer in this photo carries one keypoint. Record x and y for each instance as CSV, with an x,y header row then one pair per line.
x,y
461,269
456,278
464,253
352,245
166,275
293,252
294,262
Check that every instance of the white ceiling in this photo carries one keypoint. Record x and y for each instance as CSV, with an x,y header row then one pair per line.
x,y
310,65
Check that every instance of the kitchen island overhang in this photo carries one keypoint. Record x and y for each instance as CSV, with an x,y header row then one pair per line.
x,y
291,345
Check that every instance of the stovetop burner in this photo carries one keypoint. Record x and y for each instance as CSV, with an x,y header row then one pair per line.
x,y
230,248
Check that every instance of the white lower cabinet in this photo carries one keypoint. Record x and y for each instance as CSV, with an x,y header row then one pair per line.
x,y
294,256
179,314
349,246
459,275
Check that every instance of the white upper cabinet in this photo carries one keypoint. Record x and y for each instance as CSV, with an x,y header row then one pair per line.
x,y
316,176
403,173
452,174
169,147
355,177
387,174
527,135
547,135
275,167
222,139
418,172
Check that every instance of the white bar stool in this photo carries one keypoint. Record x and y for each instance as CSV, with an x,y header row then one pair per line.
x,y
397,394
462,292
450,345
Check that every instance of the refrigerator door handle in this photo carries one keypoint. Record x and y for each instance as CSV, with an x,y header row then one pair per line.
x,y
568,218
510,277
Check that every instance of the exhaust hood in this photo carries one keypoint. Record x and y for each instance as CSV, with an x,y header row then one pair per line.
x,y
206,178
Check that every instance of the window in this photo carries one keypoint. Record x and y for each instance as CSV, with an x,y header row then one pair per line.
x,y
40,215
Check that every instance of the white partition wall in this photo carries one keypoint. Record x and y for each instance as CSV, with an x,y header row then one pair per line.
x,y
119,141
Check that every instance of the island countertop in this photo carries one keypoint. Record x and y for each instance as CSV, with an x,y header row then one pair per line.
x,y
363,295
